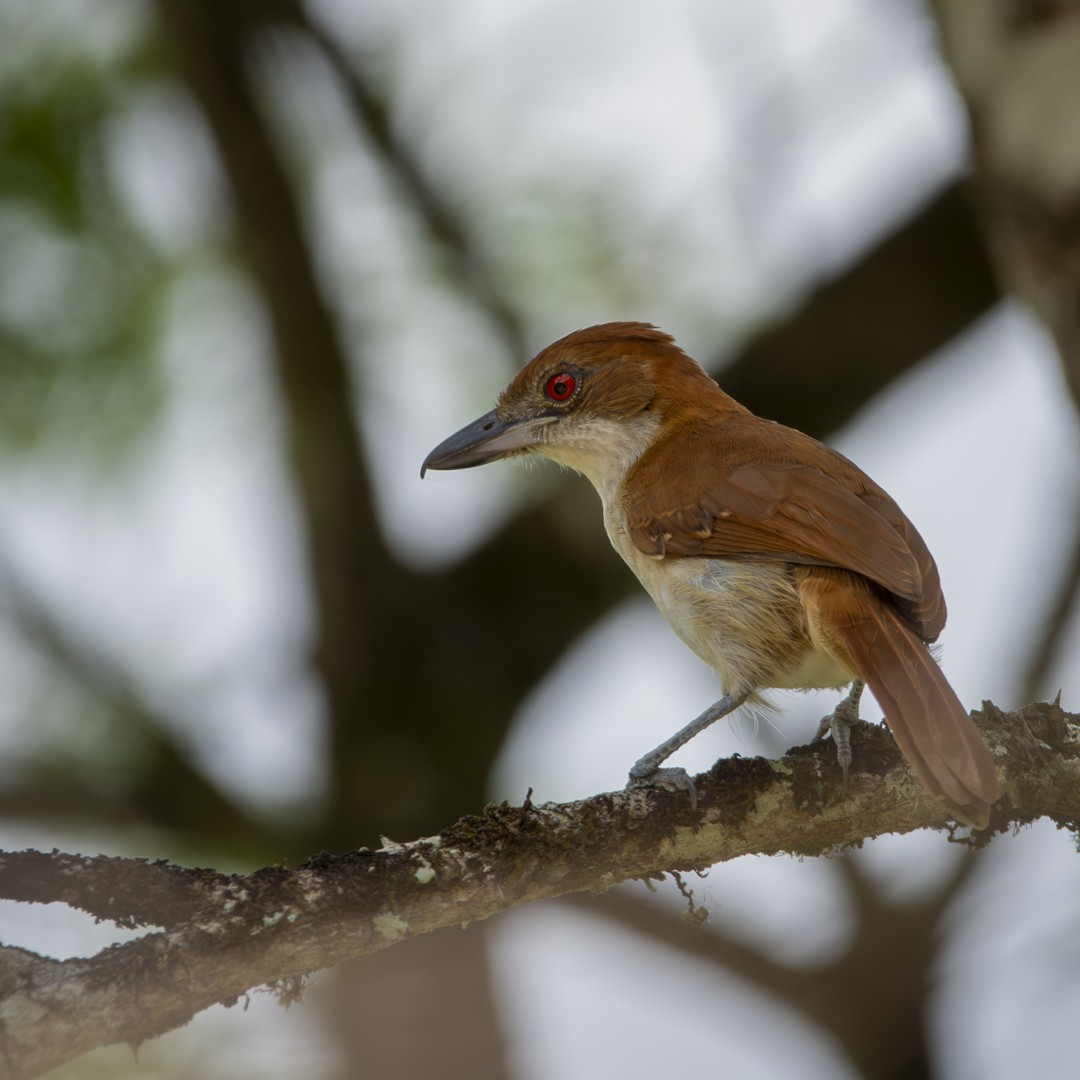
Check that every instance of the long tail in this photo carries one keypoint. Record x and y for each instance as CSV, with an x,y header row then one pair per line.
x,y
931,727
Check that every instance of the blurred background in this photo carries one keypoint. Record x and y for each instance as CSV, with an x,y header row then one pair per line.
x,y
256,259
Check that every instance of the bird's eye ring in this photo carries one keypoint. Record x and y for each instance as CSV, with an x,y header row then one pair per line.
x,y
561,387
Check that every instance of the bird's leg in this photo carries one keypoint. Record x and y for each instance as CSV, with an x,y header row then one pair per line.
x,y
647,771
839,723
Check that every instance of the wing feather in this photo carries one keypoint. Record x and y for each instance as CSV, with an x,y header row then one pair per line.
x,y
775,494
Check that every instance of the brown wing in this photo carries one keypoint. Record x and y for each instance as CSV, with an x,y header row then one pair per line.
x,y
927,612
753,501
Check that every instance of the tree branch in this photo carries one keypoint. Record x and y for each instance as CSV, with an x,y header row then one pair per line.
x,y
427,199
227,933
855,334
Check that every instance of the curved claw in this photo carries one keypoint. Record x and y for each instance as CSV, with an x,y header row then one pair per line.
x,y
839,724
673,778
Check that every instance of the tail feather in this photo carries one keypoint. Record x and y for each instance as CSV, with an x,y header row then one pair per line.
x,y
930,725
940,741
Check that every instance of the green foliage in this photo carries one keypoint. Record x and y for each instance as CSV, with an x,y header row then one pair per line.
x,y
81,286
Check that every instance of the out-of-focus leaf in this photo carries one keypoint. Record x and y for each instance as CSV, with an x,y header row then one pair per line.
x,y
81,287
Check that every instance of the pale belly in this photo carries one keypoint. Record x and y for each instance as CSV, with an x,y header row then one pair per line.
x,y
743,618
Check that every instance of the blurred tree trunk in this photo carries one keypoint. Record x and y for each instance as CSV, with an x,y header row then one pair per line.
x,y
425,1008
1017,67
385,773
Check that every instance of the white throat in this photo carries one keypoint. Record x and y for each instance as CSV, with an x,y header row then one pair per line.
x,y
600,449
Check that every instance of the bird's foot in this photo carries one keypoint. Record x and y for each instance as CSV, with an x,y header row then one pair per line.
x,y
646,771
672,778
841,733
838,723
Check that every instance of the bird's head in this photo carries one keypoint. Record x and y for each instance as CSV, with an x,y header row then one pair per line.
x,y
594,401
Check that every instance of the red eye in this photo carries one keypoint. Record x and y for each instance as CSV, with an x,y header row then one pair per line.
x,y
560,387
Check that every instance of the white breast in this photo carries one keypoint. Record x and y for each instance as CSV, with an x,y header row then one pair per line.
x,y
743,618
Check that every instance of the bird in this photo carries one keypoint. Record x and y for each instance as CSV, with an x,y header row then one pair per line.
x,y
777,560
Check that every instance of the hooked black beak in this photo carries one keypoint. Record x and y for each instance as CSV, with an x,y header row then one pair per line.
x,y
484,440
